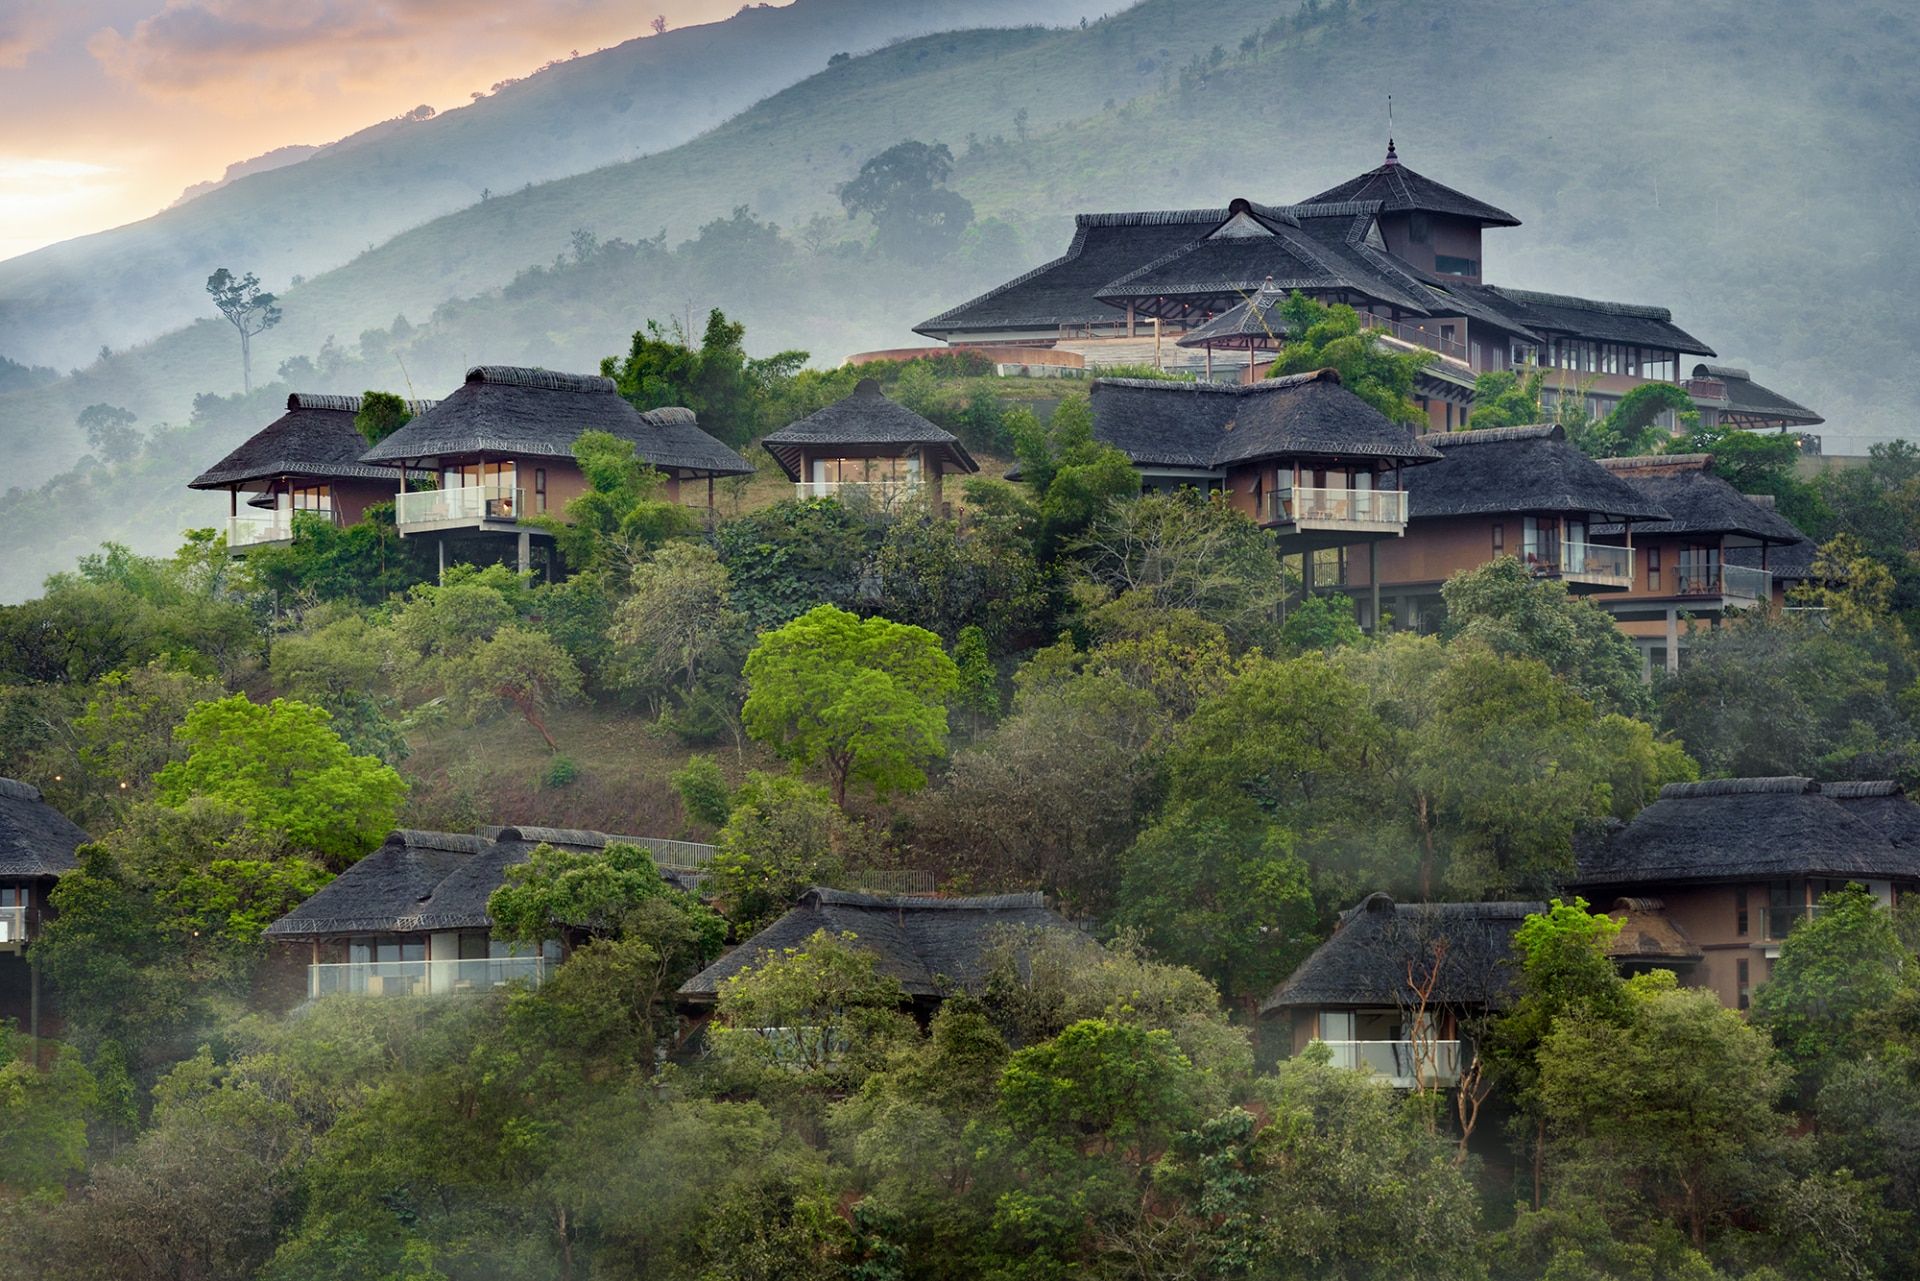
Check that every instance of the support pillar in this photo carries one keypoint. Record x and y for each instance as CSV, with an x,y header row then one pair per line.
x,y
33,995
1673,641
441,544
526,552
1373,582
1306,574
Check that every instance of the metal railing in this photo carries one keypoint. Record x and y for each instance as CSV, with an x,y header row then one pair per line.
x,y
13,926
690,855
881,493
1401,1062
1781,920
1337,506
250,529
1419,336
1600,562
892,880
424,978
462,502
1705,578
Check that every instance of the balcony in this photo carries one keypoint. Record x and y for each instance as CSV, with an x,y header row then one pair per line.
x,y
1736,585
1401,1064
1361,511
425,978
1591,564
13,928
259,528
460,505
884,494
1416,335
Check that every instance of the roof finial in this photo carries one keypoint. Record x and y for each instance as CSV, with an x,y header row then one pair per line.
x,y
1392,157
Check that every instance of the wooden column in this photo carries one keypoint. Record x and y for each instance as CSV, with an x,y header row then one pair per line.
x,y
1373,581
1129,320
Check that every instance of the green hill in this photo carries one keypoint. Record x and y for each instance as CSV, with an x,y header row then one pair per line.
x,y
1729,162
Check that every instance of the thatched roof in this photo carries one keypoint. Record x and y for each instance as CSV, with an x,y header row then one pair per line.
x,y
420,881
1514,470
35,838
502,409
1742,829
863,419
315,437
1792,563
1401,190
1208,425
930,945
1696,500
1253,245
1882,803
1256,317
1747,402
1648,935
1633,324
1365,963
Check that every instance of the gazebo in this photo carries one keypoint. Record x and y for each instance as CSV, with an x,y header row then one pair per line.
x,y
1253,324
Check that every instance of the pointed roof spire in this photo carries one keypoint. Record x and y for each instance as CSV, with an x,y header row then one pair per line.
x,y
1393,157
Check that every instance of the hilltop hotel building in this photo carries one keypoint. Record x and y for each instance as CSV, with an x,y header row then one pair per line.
x,y
1190,289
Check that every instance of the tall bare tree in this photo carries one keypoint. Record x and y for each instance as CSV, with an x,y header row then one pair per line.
x,y
248,308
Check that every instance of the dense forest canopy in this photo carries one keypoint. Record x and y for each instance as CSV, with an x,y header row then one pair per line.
x,y
1114,698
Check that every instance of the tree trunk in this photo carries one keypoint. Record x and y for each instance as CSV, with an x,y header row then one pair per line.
x,y
246,361
1539,1157
1425,818
532,715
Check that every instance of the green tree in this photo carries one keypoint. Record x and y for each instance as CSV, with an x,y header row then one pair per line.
x,y
703,790
732,394
1320,336
281,765
822,1011
516,667
781,836
1188,552
1515,615
573,895
678,621
248,308
44,1106
622,515
1504,398
1071,475
866,698
904,190
1836,973
110,432
1674,1106
381,414
1629,428
363,563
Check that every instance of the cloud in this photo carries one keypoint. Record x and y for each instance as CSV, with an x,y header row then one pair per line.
x,y
25,26
292,52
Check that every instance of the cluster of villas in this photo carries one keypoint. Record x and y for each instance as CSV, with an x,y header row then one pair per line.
x,y
1707,882
1371,508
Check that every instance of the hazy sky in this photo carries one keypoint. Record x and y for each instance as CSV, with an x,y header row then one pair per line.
x,y
108,108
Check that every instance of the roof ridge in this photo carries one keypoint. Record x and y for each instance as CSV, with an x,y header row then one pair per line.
x,y
978,902
1855,789
19,791
1781,785
1494,435
546,379
1279,382
1642,310
1634,462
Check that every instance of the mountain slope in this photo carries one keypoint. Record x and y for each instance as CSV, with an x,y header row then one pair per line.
x,y
59,305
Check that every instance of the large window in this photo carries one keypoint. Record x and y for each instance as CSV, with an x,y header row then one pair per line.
x,y
314,498
865,471
1449,265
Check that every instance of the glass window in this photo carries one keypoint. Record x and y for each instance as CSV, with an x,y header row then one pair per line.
x,y
1743,978
1740,910
1499,539
539,489
1653,569
13,896
1450,265
314,498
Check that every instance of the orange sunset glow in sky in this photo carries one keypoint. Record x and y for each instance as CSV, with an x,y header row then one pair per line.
x,y
109,108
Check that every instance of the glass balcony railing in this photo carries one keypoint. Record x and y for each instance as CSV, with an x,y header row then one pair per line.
x,y
1582,562
461,503
1714,578
1405,1063
425,978
250,529
13,926
880,493
1303,506
1781,920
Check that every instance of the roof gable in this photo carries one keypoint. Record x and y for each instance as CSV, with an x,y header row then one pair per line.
x,y
315,437
865,418
537,412
1733,829
1365,963
1696,500
1208,425
1516,470
1401,190
35,838
929,944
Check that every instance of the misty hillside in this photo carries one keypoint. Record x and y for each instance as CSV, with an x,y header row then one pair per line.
x,y
1740,177
60,304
